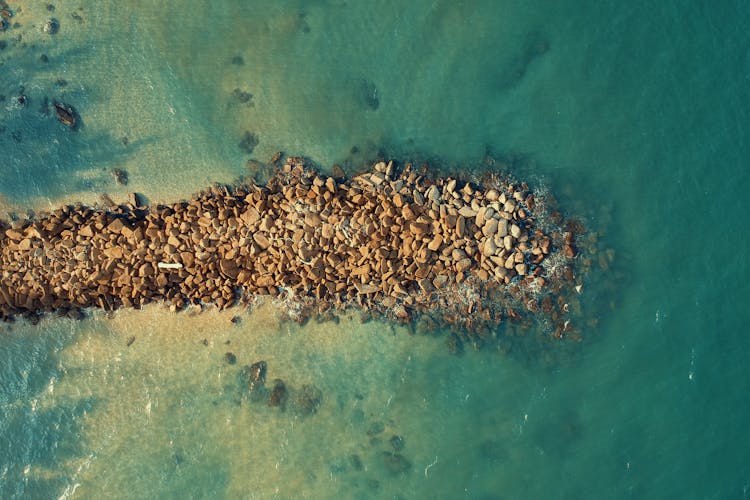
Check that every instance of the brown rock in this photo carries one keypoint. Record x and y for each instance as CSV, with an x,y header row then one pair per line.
x,y
366,289
515,231
435,243
312,219
461,227
490,227
116,226
229,268
467,211
440,280
463,264
502,228
14,235
250,216
261,240
418,228
113,252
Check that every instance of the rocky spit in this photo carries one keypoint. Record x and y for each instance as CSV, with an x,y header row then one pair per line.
x,y
393,241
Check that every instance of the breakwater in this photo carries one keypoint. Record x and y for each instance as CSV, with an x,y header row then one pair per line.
x,y
392,240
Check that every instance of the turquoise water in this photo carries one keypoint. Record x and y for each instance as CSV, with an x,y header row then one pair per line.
x,y
633,114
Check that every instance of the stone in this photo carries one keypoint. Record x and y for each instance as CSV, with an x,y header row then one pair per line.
x,y
51,26
502,228
463,264
278,395
395,463
397,443
230,358
136,199
66,115
489,248
467,212
435,243
307,400
375,428
521,269
261,240
515,231
480,218
461,227
490,227
418,228
492,195
440,280
254,376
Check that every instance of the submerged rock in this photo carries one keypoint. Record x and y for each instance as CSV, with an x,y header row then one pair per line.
x,y
51,26
254,375
66,115
307,400
375,428
121,176
230,358
395,463
278,394
397,443
249,142
369,94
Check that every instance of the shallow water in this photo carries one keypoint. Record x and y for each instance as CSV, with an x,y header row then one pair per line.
x,y
633,115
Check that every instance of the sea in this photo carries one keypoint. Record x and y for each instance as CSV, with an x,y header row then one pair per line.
x,y
634,115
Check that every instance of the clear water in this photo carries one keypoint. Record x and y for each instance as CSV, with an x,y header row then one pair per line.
x,y
633,113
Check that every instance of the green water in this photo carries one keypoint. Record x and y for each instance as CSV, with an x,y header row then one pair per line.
x,y
633,114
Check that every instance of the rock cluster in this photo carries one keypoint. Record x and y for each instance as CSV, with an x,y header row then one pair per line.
x,y
391,240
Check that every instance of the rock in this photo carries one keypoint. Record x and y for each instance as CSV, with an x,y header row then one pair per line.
x,y
480,218
230,358
261,240
418,228
121,176
136,199
397,443
490,227
489,247
51,26
492,195
461,227
248,142
395,463
515,231
467,212
278,394
307,400
458,254
66,115
463,264
435,243
375,428
440,280
502,228
254,375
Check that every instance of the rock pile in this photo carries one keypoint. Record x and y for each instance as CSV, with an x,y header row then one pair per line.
x,y
389,240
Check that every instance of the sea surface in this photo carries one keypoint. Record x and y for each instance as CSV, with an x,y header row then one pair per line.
x,y
635,115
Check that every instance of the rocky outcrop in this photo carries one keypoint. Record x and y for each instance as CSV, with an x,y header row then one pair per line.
x,y
389,240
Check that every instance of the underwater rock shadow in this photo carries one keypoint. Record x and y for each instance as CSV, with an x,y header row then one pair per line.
x,y
41,157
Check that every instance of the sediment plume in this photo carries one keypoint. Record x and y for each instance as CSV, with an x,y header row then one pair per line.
x,y
392,241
